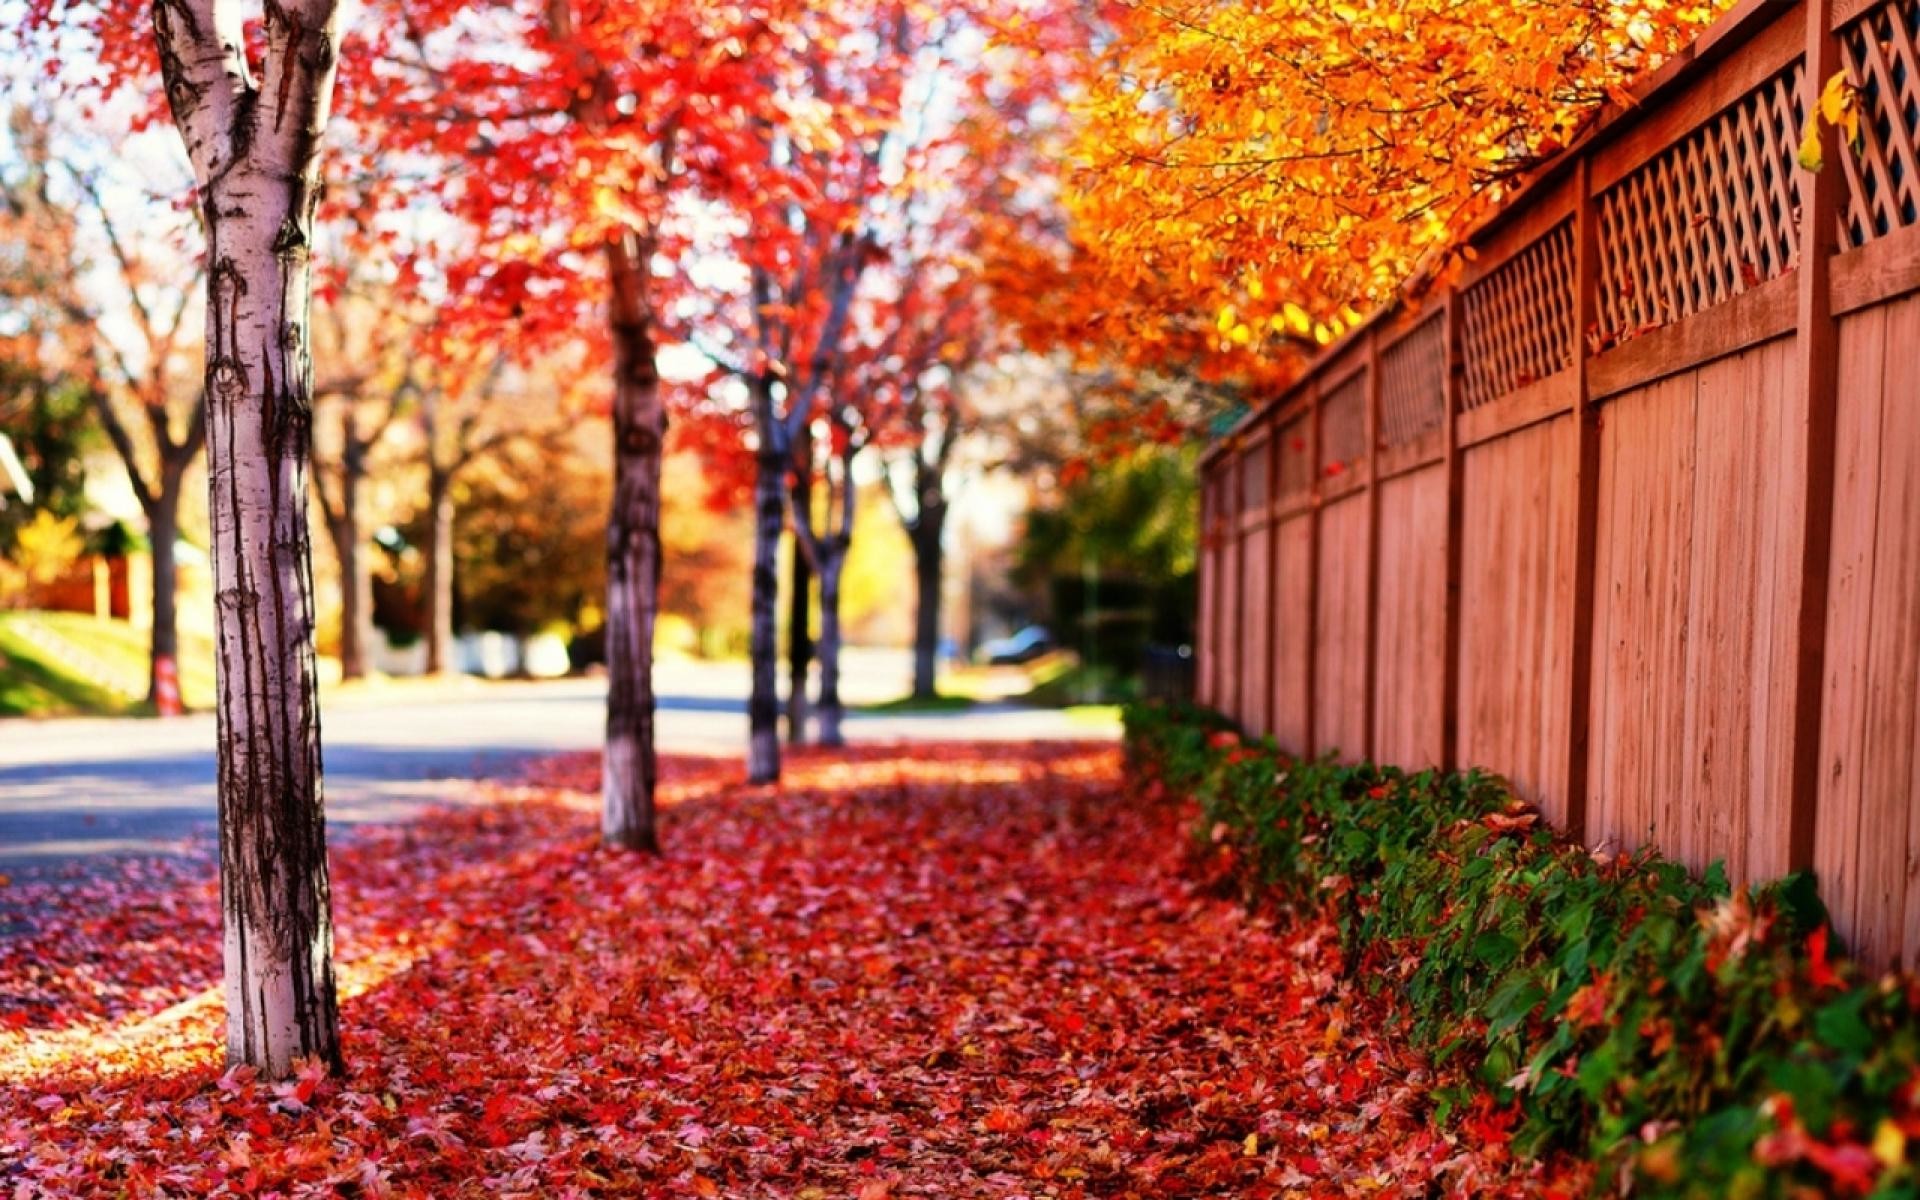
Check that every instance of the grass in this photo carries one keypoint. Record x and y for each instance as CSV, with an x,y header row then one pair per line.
x,y
1088,695
941,703
36,681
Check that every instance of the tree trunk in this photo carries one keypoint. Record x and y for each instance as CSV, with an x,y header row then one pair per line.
x,y
799,622
763,704
255,152
163,534
926,572
439,581
356,579
633,557
833,560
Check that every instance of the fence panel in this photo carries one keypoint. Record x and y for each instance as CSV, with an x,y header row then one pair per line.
x,y
1516,569
1868,844
1632,515
1410,682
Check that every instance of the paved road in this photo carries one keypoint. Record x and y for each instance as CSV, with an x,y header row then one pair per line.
x,y
73,789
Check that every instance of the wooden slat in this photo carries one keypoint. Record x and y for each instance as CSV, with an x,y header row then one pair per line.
x,y
1411,456
1410,622
1883,269
1293,630
1516,567
1844,753
1889,860
1340,629
1540,401
1752,317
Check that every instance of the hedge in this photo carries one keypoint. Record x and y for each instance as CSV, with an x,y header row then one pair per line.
x,y
1694,1040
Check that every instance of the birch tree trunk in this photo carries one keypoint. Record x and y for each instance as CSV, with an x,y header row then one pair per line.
x,y
763,702
633,557
439,581
255,150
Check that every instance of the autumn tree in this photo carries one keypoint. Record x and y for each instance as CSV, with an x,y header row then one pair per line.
x,y
134,363
574,159
366,382
1251,176
252,110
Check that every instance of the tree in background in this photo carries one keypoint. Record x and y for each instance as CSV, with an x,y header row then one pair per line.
x,y
46,391
152,289
367,380
570,160
1114,550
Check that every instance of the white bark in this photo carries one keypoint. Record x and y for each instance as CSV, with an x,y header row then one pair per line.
x,y
255,153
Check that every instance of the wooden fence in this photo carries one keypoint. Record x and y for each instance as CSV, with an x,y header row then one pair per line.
x,y
1631,515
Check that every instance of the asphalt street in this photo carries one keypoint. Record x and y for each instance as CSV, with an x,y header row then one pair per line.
x,y
71,790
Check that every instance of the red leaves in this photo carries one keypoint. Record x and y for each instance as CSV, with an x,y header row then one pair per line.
x,y
1819,971
1587,1008
976,971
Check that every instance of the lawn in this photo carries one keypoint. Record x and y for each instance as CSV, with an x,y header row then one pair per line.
x,y
65,664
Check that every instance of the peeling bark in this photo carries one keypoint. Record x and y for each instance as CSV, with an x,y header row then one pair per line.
x,y
255,152
633,557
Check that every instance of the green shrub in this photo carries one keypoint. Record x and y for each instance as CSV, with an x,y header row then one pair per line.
x,y
1694,1040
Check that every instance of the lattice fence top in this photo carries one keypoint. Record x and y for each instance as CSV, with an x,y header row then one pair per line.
x,y
1253,477
1343,426
1296,458
1516,325
1713,216
1413,380
1882,54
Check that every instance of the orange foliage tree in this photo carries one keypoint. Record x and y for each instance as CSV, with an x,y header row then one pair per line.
x,y
1248,179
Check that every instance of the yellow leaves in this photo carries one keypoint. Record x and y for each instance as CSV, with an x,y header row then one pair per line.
x,y
1889,1144
1251,1147
1810,156
1838,106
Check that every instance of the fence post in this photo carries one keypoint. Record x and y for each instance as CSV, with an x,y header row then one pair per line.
x,y
1451,367
1312,749
1816,347
1273,571
1586,505
1370,739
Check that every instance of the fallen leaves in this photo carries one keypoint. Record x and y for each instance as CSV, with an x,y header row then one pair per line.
x,y
970,971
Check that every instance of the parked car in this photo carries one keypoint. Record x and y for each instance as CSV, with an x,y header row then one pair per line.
x,y
1016,649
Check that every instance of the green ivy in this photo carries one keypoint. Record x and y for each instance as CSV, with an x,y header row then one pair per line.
x,y
1695,1041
